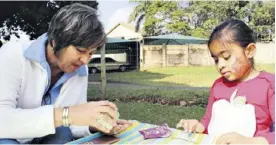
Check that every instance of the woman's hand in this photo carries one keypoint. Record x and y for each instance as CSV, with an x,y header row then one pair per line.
x,y
191,125
236,138
121,126
91,112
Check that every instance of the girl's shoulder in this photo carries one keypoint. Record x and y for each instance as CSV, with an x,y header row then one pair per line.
x,y
269,77
262,85
263,78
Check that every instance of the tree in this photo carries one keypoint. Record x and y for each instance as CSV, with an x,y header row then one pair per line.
x,y
177,20
139,13
159,17
262,19
31,17
199,18
205,15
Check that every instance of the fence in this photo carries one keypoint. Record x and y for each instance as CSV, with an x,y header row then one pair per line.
x,y
195,55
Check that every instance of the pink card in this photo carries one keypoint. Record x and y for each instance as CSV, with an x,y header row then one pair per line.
x,y
157,132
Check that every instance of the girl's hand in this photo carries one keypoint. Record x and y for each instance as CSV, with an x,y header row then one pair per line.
x,y
191,125
236,138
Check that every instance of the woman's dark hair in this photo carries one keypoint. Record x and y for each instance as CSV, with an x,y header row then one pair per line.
x,y
77,25
233,31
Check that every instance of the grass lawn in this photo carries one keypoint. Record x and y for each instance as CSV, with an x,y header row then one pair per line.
x,y
172,76
128,92
202,76
153,113
158,114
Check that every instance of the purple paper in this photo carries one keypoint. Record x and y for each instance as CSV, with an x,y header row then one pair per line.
x,y
157,132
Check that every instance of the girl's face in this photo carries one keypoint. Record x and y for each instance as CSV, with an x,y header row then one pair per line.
x,y
72,58
232,61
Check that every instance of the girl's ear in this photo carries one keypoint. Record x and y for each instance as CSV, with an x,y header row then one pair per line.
x,y
250,50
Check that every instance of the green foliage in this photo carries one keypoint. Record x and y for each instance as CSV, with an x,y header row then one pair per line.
x,y
198,18
31,16
263,20
199,32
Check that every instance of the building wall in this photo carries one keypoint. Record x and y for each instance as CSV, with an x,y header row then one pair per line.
x,y
176,55
265,53
195,55
199,55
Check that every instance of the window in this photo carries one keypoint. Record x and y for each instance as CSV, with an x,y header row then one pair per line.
x,y
109,60
95,60
98,60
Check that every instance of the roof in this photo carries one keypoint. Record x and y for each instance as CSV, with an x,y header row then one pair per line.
x,y
173,39
118,40
126,25
117,43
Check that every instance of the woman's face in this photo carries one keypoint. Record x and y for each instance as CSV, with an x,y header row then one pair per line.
x,y
71,58
230,59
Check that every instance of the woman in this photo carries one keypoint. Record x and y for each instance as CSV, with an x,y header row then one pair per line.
x,y
44,83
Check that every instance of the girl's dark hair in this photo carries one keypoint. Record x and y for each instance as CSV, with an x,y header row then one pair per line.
x,y
77,25
233,31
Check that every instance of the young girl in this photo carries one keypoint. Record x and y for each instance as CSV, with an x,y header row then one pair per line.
x,y
232,47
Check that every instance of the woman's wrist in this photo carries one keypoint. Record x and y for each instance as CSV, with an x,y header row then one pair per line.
x,y
58,116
